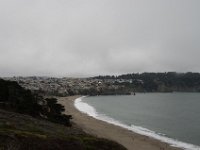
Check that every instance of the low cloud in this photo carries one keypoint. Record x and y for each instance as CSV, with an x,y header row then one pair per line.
x,y
92,37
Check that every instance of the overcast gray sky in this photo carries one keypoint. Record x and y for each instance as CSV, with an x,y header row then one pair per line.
x,y
92,37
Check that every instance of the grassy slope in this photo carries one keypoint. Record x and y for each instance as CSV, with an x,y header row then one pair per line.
x,y
22,132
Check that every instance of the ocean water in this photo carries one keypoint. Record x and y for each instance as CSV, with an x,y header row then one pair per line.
x,y
170,117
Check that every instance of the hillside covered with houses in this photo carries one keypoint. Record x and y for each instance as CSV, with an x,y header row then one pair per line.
x,y
112,85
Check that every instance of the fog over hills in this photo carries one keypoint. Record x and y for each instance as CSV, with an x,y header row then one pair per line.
x,y
91,37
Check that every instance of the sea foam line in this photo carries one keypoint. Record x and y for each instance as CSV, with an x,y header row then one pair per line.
x,y
91,111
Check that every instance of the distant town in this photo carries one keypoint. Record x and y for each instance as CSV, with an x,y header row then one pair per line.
x,y
112,85
72,86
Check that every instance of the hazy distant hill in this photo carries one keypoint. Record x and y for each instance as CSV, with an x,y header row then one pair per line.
x,y
112,85
158,82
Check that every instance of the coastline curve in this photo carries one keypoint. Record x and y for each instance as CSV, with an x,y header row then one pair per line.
x,y
89,110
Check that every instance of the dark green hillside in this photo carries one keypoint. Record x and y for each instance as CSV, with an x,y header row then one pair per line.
x,y
158,82
15,98
22,132
29,122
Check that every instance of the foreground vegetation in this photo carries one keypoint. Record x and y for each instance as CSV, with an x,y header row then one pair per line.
x,y
15,98
30,122
22,132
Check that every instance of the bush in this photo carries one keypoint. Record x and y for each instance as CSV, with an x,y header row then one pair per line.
x,y
15,98
55,111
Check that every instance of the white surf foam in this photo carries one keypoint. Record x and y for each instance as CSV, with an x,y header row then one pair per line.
x,y
91,111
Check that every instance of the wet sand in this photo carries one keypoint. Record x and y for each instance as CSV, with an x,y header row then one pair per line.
x,y
129,139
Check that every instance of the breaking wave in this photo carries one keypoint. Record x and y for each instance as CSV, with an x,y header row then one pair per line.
x,y
91,111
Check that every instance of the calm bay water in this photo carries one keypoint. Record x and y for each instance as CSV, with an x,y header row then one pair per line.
x,y
173,115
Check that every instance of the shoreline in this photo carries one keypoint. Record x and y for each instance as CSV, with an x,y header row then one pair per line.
x,y
125,137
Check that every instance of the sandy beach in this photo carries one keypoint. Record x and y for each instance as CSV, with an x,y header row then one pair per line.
x,y
129,139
